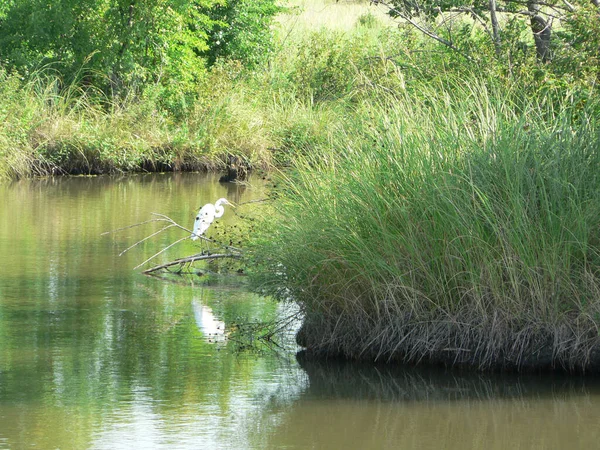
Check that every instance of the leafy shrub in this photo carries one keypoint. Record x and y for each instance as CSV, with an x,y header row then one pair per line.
x,y
368,20
325,66
242,31
125,48
580,53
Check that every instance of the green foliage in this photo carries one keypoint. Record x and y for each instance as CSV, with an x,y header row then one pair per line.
x,y
242,31
580,53
129,47
327,63
447,21
368,20
108,43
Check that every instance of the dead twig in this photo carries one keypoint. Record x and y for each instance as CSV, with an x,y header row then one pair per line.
x,y
162,251
172,224
131,226
190,259
146,238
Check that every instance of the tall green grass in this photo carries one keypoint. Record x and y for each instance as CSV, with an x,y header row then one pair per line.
x,y
458,224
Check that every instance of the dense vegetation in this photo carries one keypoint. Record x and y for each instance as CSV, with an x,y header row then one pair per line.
x,y
439,192
459,231
105,85
453,214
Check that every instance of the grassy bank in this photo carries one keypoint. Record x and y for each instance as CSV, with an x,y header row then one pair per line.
x,y
454,225
47,130
260,114
328,58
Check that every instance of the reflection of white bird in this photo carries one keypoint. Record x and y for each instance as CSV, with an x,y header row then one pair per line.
x,y
207,215
207,322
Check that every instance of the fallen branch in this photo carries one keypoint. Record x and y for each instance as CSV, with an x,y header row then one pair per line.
x,y
172,224
191,259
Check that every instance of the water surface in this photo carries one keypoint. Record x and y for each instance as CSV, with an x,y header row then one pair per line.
x,y
96,355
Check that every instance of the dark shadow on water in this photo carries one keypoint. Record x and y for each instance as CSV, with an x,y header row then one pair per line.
x,y
354,405
340,379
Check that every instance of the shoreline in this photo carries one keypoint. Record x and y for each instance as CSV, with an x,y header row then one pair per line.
x,y
569,347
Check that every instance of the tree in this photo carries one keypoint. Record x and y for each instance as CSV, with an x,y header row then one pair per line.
x,y
116,43
241,31
435,18
123,41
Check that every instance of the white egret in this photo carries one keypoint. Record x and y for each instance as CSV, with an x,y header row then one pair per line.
x,y
207,214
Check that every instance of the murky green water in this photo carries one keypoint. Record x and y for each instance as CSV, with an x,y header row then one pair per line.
x,y
96,355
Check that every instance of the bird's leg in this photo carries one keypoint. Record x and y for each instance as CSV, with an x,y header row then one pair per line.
x,y
205,241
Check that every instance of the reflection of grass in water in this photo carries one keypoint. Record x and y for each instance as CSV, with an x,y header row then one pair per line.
x,y
388,407
358,381
273,336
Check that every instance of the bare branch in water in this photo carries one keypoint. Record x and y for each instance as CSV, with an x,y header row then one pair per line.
x,y
132,226
190,259
162,251
142,240
172,224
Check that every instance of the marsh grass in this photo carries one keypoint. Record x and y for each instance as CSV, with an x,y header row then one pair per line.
x,y
464,232
49,128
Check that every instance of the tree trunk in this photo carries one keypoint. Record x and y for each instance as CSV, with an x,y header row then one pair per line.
x,y
495,27
542,31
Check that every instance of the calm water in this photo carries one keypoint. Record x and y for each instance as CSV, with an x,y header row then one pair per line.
x,y
96,355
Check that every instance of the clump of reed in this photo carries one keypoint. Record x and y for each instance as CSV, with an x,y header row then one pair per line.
x,y
50,128
458,224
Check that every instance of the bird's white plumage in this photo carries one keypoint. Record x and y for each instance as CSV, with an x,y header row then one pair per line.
x,y
207,215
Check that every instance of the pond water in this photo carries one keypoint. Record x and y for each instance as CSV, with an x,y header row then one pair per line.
x,y
94,354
